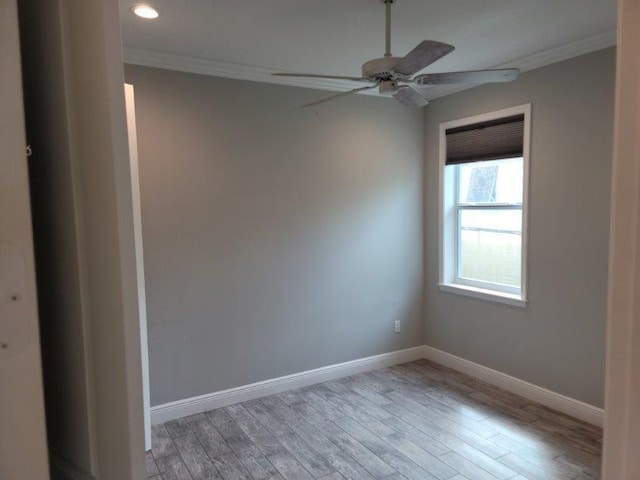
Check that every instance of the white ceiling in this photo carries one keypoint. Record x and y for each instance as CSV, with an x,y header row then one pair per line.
x,y
337,36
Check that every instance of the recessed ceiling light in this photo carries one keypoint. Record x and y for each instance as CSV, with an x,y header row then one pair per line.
x,y
144,11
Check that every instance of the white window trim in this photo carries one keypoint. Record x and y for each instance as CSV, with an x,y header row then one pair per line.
x,y
447,275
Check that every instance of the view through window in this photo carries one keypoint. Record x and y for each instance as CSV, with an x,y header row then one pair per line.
x,y
489,221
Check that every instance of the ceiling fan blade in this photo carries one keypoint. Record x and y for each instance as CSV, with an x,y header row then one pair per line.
x,y
338,95
476,76
409,97
427,52
313,75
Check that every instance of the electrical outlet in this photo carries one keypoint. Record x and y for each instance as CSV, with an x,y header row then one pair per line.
x,y
396,326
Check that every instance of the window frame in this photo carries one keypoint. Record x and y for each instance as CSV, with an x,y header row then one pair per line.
x,y
449,213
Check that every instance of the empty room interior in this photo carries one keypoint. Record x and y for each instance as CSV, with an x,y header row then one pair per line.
x,y
369,240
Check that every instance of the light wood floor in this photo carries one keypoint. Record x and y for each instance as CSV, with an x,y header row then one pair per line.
x,y
417,421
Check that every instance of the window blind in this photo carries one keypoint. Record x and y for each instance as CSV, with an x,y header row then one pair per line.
x,y
491,140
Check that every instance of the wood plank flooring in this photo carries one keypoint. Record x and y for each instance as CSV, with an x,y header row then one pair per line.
x,y
417,421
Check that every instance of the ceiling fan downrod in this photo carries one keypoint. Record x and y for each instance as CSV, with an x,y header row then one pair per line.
x,y
387,49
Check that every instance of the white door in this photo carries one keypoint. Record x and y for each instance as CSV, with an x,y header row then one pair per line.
x,y
23,446
137,233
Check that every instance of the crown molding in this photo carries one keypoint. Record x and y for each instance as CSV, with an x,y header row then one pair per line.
x,y
538,60
219,68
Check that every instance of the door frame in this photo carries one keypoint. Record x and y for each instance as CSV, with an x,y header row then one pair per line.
x,y
622,399
129,93
78,46
23,438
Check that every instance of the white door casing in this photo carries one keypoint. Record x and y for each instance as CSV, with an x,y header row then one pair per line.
x,y
137,231
622,400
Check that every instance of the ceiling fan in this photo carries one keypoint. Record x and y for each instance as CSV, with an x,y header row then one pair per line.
x,y
393,75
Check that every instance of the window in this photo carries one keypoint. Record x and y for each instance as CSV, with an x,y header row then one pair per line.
x,y
484,170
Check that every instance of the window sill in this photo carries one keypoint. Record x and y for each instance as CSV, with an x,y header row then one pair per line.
x,y
484,294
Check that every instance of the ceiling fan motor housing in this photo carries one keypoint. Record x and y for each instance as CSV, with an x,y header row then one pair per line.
x,y
380,69
388,87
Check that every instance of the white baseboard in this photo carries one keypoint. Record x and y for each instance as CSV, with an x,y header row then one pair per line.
x,y
223,398
556,401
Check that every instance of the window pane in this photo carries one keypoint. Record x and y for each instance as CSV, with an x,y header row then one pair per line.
x,y
496,181
490,243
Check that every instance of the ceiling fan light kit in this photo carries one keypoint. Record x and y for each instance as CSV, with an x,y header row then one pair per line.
x,y
393,76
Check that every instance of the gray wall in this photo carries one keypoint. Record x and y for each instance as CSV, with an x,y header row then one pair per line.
x,y
558,342
276,239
